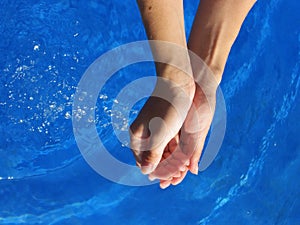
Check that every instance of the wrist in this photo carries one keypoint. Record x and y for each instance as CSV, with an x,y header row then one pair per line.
x,y
178,78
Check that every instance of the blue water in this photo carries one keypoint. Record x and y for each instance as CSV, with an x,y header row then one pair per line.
x,y
45,48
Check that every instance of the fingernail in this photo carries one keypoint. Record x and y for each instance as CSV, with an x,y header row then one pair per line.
x,y
151,177
187,163
147,169
182,168
194,169
164,186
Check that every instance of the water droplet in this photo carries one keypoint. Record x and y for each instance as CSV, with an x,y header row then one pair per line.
x,y
103,97
82,95
68,115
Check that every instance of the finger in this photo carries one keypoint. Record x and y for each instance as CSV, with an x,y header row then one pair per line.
x,y
191,145
138,140
157,142
166,155
163,171
147,160
150,160
195,129
164,184
167,167
178,161
178,180
161,135
194,154
194,149
173,143
166,171
179,156
177,174
194,161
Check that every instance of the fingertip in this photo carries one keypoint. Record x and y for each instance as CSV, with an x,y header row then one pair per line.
x,y
146,170
151,177
164,185
187,163
176,181
182,168
177,174
194,168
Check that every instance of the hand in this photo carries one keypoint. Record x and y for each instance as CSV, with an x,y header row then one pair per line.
x,y
159,121
184,150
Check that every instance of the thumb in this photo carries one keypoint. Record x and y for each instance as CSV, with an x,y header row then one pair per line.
x,y
150,159
148,148
159,138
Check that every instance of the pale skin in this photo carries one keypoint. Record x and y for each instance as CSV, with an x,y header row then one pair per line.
x,y
215,28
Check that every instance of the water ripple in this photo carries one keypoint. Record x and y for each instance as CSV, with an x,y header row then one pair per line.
x,y
97,203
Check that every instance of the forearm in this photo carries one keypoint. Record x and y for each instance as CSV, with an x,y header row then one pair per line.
x,y
215,28
164,21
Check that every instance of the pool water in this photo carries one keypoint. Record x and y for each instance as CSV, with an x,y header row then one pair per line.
x,y
45,48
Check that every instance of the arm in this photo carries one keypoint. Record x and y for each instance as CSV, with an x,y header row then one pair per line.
x,y
215,28
163,20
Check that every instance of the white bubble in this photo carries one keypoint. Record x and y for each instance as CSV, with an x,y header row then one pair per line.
x,y
36,48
